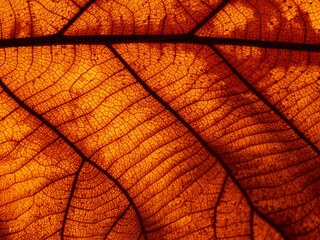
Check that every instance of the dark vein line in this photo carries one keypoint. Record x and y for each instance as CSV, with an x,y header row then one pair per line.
x,y
210,16
266,102
251,225
179,192
262,98
115,223
72,20
51,235
183,38
125,193
195,134
216,210
31,19
75,148
70,198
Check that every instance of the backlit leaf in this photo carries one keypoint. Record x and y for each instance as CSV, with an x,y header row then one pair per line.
x,y
159,119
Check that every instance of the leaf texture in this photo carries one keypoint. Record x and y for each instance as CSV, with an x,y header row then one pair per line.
x,y
159,119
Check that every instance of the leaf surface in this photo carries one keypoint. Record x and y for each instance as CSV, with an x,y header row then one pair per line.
x,y
159,120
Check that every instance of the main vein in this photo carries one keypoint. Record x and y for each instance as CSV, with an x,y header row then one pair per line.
x,y
182,38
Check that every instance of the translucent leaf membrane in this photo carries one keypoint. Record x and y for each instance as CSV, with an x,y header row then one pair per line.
x,y
290,80
141,17
36,175
159,141
98,208
164,184
275,166
276,21
21,19
263,230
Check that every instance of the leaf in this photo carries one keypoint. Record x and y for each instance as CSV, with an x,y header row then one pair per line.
x,y
159,119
